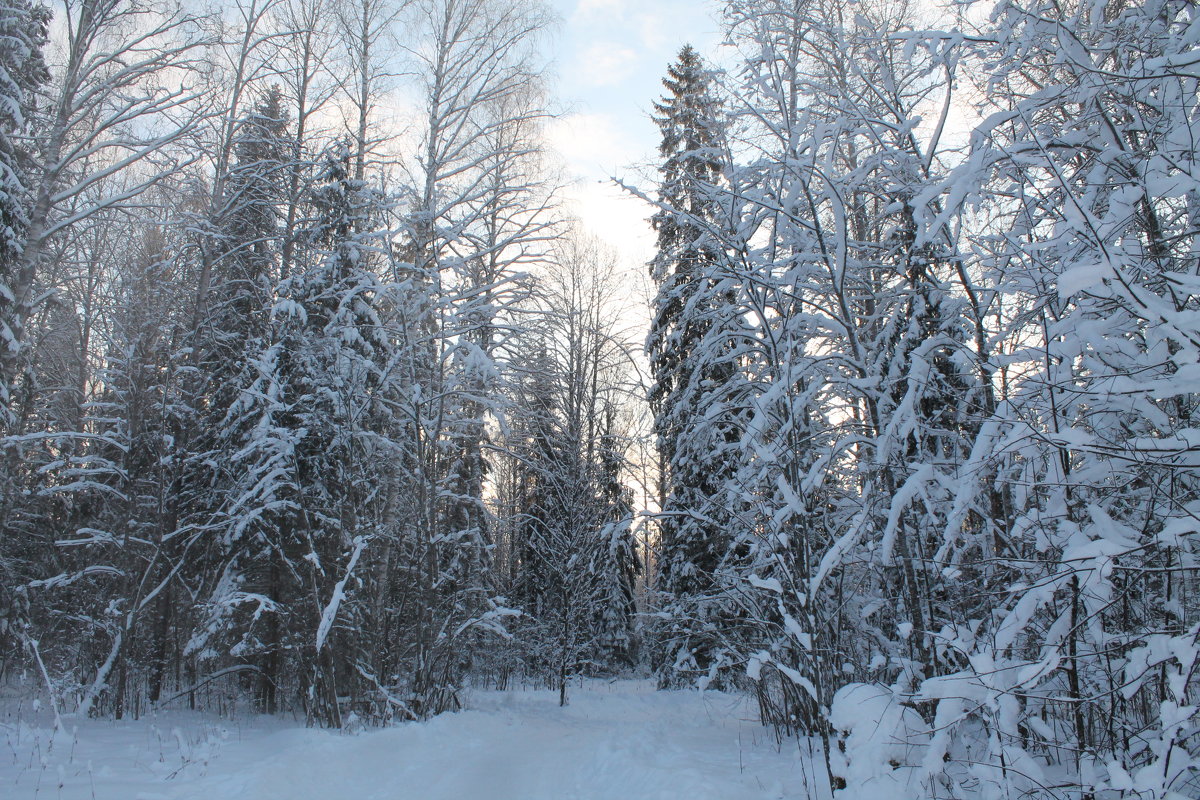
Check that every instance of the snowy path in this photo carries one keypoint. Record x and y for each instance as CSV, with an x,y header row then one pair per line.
x,y
613,741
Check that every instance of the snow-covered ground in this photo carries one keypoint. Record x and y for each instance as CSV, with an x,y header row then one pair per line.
x,y
615,740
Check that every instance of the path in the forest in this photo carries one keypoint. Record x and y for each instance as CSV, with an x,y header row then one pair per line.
x,y
618,740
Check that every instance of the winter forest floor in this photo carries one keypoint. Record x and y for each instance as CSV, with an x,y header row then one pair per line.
x,y
614,740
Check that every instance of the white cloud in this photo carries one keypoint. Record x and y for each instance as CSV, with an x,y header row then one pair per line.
x,y
652,30
601,7
590,143
611,57
604,64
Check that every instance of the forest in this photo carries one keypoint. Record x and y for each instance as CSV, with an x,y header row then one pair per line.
x,y
315,400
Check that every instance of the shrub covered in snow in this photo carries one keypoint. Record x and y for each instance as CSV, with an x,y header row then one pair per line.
x,y
879,740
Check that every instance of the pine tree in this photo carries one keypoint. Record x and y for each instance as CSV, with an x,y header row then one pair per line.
x,y
690,364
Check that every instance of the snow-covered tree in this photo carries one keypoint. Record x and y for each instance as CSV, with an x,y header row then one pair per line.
x,y
691,363
22,73
1083,163
242,257
574,560
467,232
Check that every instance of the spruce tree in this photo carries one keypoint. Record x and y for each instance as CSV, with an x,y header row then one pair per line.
x,y
619,563
237,402
691,363
339,358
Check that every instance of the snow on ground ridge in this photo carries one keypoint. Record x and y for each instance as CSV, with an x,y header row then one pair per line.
x,y
615,741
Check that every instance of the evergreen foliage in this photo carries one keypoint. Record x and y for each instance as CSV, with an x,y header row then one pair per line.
x,y
692,363
303,415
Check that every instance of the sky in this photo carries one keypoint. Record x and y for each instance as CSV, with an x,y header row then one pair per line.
x,y
608,61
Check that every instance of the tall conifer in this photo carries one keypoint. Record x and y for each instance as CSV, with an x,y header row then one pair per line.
x,y
692,363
